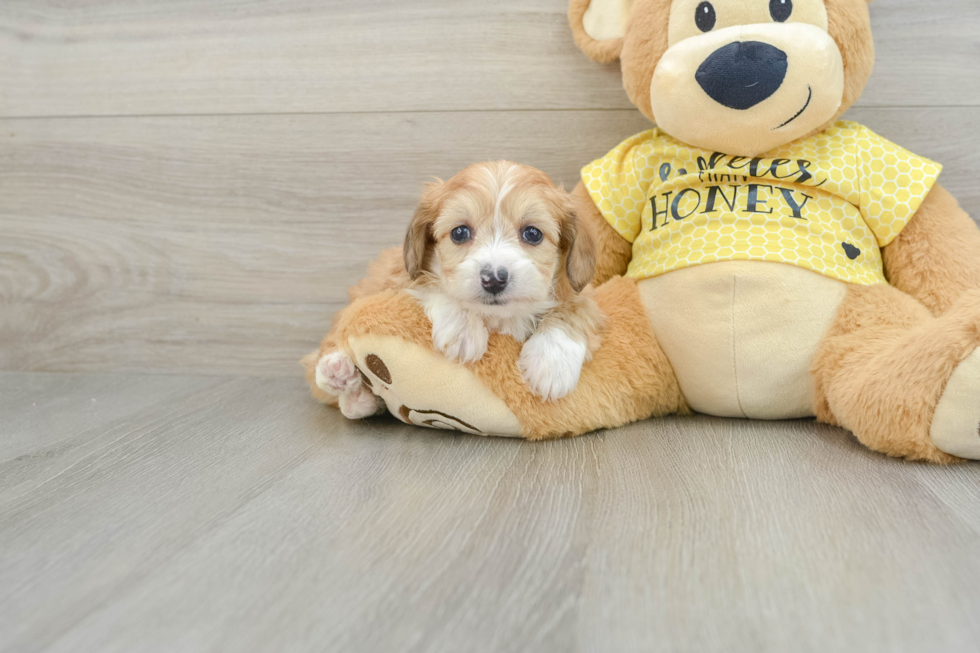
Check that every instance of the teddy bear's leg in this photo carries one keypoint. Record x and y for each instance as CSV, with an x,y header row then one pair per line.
x,y
389,338
904,382
934,258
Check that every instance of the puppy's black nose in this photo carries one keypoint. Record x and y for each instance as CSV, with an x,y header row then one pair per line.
x,y
494,281
740,75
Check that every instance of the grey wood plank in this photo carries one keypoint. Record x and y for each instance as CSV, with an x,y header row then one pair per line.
x,y
152,57
38,410
805,527
100,516
250,519
223,244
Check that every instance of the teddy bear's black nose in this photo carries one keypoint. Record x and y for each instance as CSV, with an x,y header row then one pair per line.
x,y
740,75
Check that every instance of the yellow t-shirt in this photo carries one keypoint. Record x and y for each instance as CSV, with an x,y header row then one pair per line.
x,y
825,203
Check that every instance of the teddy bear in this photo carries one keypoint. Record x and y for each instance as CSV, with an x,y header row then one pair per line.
x,y
757,256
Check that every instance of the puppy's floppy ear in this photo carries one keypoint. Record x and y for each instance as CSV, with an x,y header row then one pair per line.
x,y
598,27
419,238
577,244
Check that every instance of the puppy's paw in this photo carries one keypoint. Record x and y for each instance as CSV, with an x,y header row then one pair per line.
x,y
551,362
460,336
337,374
360,403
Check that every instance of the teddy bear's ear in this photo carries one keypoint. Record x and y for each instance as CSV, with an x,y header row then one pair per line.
x,y
599,26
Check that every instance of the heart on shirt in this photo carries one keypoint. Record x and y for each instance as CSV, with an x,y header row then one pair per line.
x,y
851,251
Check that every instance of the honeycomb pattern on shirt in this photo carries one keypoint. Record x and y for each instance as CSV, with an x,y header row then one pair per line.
x,y
826,203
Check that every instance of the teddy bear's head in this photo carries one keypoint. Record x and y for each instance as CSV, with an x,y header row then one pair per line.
x,y
735,76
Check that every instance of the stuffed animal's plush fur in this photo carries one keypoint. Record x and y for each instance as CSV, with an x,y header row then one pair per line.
x,y
778,262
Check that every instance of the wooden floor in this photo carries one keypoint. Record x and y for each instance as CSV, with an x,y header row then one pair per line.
x,y
173,513
186,190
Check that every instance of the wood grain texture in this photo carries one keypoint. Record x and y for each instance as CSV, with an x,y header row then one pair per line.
x,y
239,515
224,244
226,56
200,222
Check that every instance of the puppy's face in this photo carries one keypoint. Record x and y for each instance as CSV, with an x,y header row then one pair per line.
x,y
499,238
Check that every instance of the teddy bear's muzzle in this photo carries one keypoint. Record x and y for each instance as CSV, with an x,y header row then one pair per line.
x,y
746,89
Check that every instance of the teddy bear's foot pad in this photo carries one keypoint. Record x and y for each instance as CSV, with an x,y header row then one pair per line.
x,y
956,423
422,387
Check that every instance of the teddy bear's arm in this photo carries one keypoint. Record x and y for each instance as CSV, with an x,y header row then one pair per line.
x,y
936,257
613,252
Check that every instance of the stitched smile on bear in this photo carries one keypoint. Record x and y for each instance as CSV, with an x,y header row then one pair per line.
x,y
745,76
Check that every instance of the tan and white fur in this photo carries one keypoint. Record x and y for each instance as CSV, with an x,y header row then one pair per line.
x,y
496,248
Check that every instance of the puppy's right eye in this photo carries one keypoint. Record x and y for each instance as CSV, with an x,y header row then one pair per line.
x,y
460,234
532,235
704,17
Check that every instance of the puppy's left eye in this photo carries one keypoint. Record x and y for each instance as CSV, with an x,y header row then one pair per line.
x,y
780,10
532,235
460,234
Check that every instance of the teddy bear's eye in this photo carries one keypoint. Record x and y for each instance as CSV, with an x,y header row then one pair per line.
x,y
780,10
704,17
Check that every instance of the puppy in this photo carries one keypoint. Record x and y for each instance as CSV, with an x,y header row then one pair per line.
x,y
498,248
495,248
